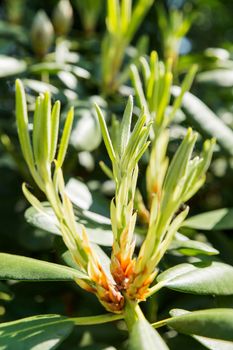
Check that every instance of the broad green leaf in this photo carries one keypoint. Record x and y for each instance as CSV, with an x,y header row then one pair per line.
x,y
215,278
190,247
27,269
144,337
98,227
43,332
220,219
205,121
11,66
214,344
79,193
217,77
86,133
212,323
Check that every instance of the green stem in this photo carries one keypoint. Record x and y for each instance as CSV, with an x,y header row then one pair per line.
x,y
155,289
132,313
160,323
92,320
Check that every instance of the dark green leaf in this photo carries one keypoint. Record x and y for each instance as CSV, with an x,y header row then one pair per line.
x,y
38,332
199,278
212,323
27,269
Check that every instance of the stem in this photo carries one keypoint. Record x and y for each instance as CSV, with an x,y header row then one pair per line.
x,y
155,289
92,320
132,313
160,323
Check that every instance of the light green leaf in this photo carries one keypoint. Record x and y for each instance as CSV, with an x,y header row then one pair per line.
x,y
40,86
43,332
98,227
11,66
212,323
22,123
217,77
106,137
144,337
86,133
214,344
190,247
79,193
199,278
205,121
27,269
65,137
126,124
220,219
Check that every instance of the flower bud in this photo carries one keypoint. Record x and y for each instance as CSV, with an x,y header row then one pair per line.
x,y
42,33
62,17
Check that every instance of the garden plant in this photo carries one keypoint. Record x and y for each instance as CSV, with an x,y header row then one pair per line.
x,y
116,177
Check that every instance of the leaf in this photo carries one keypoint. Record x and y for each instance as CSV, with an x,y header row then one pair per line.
x,y
11,66
40,86
65,137
217,77
41,332
27,269
86,134
198,278
190,247
97,226
220,219
144,337
205,121
105,133
79,193
214,344
212,323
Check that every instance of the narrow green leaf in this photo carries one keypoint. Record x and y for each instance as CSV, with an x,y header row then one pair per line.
x,y
27,269
45,128
54,129
126,124
65,137
139,12
126,7
215,278
43,332
106,137
22,123
113,16
144,337
36,135
220,219
186,85
138,87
